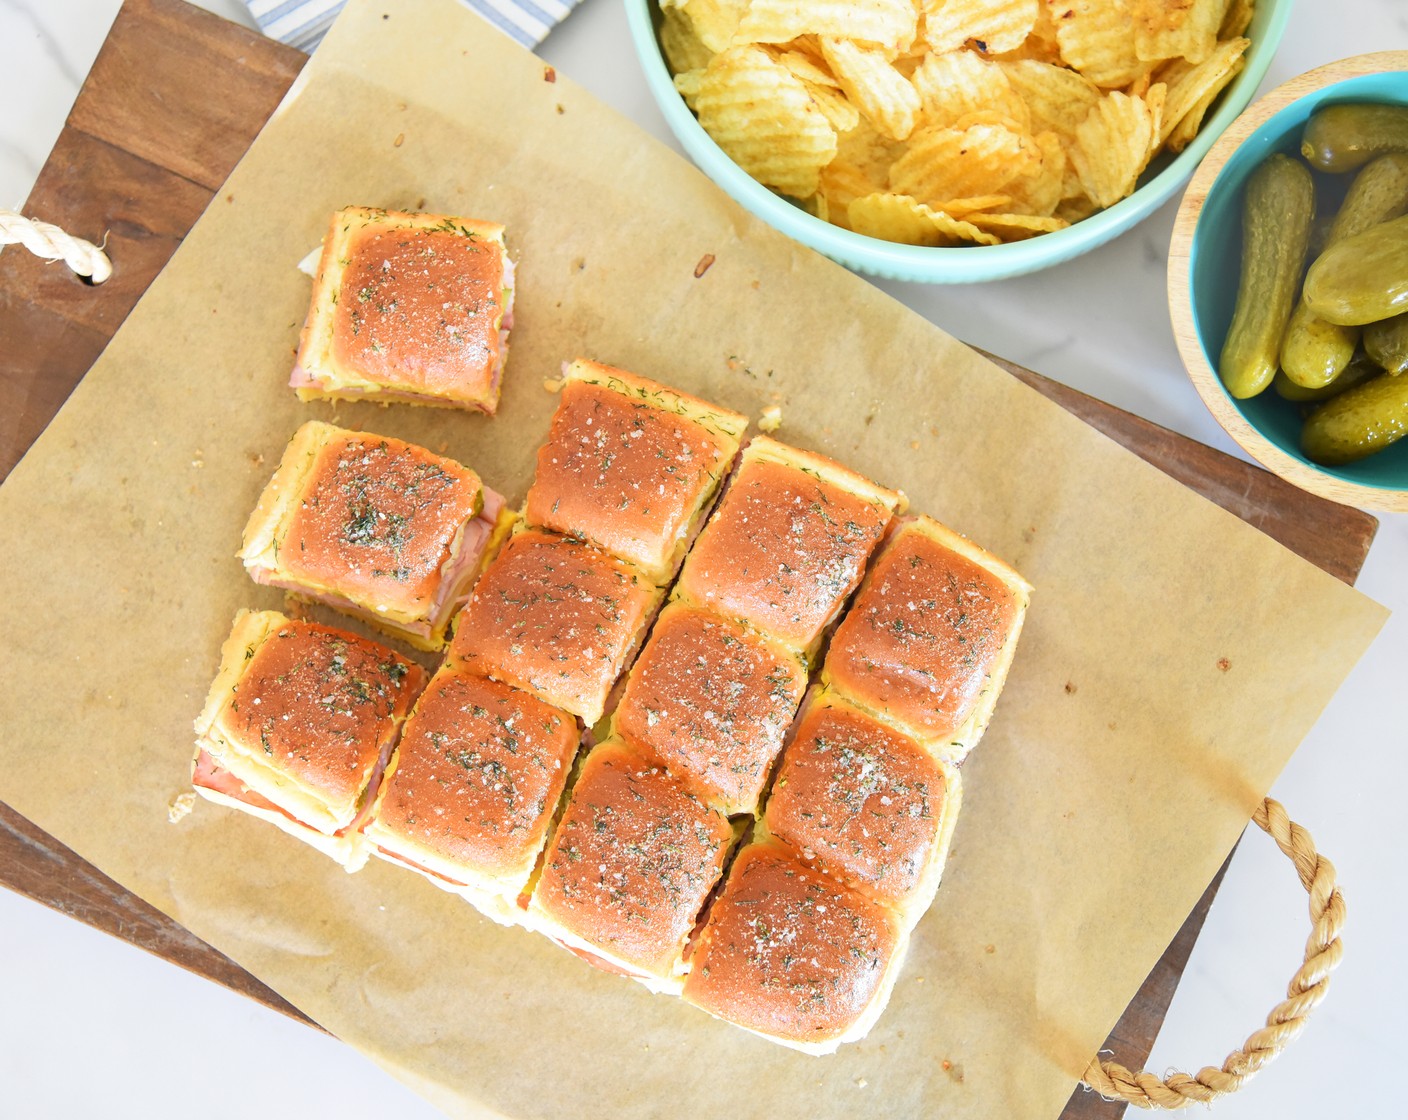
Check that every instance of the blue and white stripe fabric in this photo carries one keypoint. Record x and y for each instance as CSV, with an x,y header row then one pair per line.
x,y
303,23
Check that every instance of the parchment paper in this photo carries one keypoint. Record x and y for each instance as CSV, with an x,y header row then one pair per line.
x,y
1121,766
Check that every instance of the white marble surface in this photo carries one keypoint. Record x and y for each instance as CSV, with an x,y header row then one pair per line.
x,y
90,1026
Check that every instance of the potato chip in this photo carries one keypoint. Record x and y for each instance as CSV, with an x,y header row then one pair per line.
x,y
1176,28
1058,99
874,87
764,118
1186,129
715,21
1188,85
1113,145
1039,189
963,207
888,25
810,68
833,104
866,148
1016,227
1237,20
953,85
947,163
688,83
683,48
895,217
989,26
1040,45
1095,39
841,183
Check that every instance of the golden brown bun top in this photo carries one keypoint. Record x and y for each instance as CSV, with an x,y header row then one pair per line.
x,y
376,519
712,701
419,306
625,472
318,703
860,799
555,617
633,859
788,951
478,773
923,634
783,550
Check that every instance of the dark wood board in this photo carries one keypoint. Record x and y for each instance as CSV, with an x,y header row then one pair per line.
x,y
174,99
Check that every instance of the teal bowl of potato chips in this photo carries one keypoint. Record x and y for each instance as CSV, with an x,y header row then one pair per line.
x,y
978,143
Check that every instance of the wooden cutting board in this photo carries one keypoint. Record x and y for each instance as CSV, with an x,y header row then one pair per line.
x,y
174,99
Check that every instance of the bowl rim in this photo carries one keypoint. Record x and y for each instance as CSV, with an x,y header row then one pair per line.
x,y
1180,287
942,264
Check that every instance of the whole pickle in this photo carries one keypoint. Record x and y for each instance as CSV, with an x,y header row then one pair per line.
x,y
1360,369
1358,422
1276,216
1339,138
1363,278
1314,350
1387,343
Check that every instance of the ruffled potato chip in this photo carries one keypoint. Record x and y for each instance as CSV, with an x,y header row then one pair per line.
x,y
888,25
833,104
764,118
1189,85
1095,39
1016,227
1238,19
683,48
951,86
808,67
896,217
1186,129
875,87
1176,28
715,21
1039,189
1058,99
988,26
1113,146
944,163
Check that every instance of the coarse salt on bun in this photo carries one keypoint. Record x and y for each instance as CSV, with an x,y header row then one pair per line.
x,y
408,307
631,465
299,724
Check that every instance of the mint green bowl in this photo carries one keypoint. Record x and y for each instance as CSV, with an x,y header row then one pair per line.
x,y
970,263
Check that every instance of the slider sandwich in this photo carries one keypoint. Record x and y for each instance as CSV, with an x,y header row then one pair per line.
x,y
793,955
712,700
556,617
298,727
866,804
927,643
630,867
378,528
788,542
631,466
470,793
407,307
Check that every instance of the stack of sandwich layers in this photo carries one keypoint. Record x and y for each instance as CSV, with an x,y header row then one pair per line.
x,y
682,823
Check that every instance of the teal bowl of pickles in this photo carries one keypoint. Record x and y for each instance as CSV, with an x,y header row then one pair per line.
x,y
1288,281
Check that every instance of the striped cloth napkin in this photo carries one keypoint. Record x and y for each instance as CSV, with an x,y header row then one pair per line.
x,y
303,23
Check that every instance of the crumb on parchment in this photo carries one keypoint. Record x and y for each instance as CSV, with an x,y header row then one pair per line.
x,y
771,419
180,806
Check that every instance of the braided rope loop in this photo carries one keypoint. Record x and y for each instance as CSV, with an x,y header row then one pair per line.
x,y
1307,988
52,243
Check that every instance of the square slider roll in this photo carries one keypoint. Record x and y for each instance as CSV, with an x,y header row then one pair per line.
x,y
630,867
631,466
376,527
929,639
788,542
408,307
712,700
299,725
470,793
556,617
791,954
866,804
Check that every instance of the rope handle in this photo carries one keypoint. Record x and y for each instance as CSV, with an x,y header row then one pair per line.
x,y
52,243
1305,991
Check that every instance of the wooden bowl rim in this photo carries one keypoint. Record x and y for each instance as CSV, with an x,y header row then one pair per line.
x,y
1204,377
